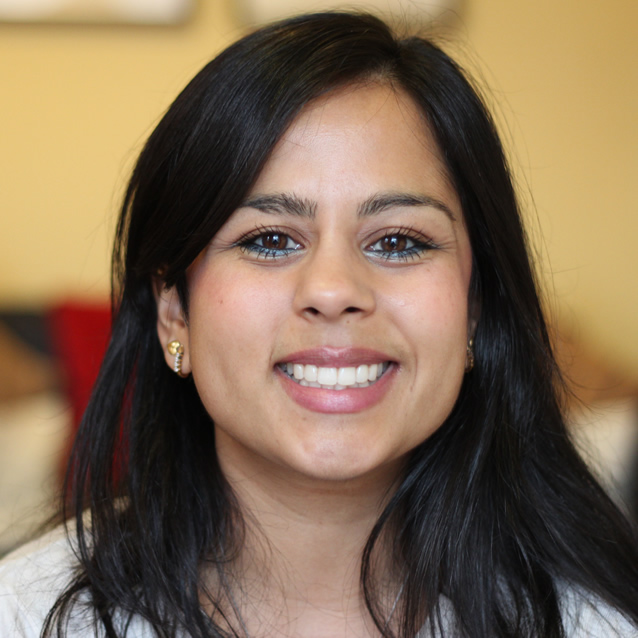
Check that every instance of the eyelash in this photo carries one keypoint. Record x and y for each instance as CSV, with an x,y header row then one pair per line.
x,y
248,244
420,245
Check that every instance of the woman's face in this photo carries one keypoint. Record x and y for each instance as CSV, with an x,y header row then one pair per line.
x,y
328,318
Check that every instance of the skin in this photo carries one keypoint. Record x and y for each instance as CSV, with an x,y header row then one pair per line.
x,y
394,282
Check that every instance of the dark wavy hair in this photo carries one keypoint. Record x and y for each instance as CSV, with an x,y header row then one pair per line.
x,y
496,512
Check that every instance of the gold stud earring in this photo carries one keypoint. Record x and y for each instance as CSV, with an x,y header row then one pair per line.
x,y
469,360
177,350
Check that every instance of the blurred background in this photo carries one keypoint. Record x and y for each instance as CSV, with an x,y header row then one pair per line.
x,y
82,84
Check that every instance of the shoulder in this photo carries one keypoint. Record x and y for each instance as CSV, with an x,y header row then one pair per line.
x,y
586,616
31,579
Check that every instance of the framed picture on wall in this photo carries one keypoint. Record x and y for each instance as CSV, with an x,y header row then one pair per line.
x,y
97,11
261,11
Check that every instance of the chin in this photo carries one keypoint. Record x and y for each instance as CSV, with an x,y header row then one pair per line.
x,y
334,467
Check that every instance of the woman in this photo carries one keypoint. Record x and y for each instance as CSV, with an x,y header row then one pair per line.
x,y
329,406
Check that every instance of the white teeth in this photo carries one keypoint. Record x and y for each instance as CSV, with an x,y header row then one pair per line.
x,y
346,376
334,378
362,374
327,376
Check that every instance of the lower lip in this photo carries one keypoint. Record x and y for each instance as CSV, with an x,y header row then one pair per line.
x,y
338,401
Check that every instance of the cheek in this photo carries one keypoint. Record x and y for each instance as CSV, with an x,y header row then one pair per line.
x,y
432,308
232,319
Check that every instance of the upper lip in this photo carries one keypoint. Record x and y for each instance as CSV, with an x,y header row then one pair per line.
x,y
332,357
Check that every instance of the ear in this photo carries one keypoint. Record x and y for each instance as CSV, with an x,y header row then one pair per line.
x,y
171,324
473,315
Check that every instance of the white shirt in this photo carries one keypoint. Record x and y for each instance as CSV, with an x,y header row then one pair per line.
x,y
32,578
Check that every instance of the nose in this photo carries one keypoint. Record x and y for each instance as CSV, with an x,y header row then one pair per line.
x,y
334,284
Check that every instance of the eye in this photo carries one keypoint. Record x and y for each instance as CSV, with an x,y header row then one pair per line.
x,y
394,243
273,241
269,243
400,245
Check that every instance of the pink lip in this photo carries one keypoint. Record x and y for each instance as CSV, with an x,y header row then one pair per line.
x,y
337,401
330,357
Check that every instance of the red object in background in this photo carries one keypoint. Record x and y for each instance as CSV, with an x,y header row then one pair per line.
x,y
79,333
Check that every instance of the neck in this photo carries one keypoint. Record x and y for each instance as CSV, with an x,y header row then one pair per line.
x,y
299,566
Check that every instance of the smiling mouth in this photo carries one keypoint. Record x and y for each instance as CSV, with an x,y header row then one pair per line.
x,y
312,376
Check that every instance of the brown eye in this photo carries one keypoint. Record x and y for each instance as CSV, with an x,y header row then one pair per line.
x,y
274,241
400,246
270,244
393,243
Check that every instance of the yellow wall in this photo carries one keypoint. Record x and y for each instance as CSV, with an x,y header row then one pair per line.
x,y
566,75
77,102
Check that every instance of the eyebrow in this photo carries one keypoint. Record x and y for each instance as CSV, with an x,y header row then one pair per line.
x,y
378,203
288,204
283,203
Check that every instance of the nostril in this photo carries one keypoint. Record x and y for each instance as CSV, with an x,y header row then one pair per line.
x,y
315,312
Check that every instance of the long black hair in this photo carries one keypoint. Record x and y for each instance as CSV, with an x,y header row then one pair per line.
x,y
496,512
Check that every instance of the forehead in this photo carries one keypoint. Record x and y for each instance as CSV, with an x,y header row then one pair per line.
x,y
363,100
373,107
364,131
